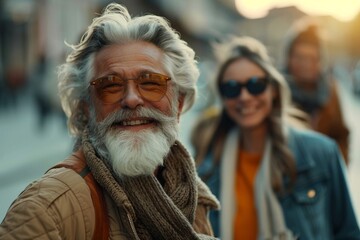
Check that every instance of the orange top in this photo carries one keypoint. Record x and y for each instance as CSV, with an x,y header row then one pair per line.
x,y
245,222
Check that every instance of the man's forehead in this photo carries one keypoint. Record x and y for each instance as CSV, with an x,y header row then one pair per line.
x,y
128,57
141,49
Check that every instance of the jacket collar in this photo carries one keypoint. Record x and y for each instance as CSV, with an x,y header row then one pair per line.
x,y
304,160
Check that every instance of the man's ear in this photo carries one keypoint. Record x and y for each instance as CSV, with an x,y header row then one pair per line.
x,y
180,105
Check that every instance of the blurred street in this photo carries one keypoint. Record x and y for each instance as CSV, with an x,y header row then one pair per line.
x,y
26,151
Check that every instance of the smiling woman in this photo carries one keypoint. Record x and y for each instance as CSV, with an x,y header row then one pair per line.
x,y
342,10
274,180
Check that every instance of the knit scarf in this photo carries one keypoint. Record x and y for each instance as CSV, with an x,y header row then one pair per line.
x,y
159,212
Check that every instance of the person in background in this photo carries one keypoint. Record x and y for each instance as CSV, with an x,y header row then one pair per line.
x,y
123,87
313,88
274,181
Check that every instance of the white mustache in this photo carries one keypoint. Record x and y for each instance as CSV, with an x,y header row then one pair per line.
x,y
125,114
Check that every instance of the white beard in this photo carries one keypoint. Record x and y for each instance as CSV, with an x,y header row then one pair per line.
x,y
139,153
134,153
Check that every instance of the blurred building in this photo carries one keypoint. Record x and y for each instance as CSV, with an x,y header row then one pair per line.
x,y
34,31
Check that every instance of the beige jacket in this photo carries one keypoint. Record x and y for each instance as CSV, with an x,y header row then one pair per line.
x,y
59,206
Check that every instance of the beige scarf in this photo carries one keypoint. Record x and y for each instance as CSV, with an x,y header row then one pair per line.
x,y
159,212
270,216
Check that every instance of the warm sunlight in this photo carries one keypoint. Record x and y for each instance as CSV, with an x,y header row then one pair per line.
x,y
344,10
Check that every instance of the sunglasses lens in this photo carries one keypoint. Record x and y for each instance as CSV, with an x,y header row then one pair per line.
x,y
110,89
230,89
152,86
256,85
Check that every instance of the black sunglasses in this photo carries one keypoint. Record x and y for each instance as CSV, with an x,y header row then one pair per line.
x,y
254,85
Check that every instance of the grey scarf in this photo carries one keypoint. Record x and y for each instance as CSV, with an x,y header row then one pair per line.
x,y
307,100
159,212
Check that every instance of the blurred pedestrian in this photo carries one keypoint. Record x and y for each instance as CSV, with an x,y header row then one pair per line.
x,y
274,181
46,99
313,88
123,87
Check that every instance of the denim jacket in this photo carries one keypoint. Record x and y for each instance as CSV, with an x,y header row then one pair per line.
x,y
319,207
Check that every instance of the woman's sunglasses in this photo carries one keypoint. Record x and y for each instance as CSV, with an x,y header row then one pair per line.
x,y
254,85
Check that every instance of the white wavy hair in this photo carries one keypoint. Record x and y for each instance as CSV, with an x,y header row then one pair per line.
x,y
116,26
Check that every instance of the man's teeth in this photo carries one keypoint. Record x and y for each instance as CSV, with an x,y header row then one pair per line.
x,y
134,122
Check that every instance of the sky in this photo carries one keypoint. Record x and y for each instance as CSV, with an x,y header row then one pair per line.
x,y
343,10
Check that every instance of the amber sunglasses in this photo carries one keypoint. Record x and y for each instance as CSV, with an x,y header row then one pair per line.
x,y
111,89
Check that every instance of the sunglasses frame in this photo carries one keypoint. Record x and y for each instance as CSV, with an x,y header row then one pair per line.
x,y
97,81
225,86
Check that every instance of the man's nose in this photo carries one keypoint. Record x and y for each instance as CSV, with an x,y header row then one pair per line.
x,y
132,97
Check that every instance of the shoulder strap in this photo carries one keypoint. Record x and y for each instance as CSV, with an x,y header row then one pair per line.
x,y
77,163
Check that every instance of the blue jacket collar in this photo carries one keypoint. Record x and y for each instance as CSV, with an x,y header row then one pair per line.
x,y
304,160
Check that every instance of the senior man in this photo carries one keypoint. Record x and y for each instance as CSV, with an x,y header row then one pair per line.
x,y
123,88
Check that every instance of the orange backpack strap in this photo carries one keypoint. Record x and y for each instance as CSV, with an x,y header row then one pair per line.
x,y
77,163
